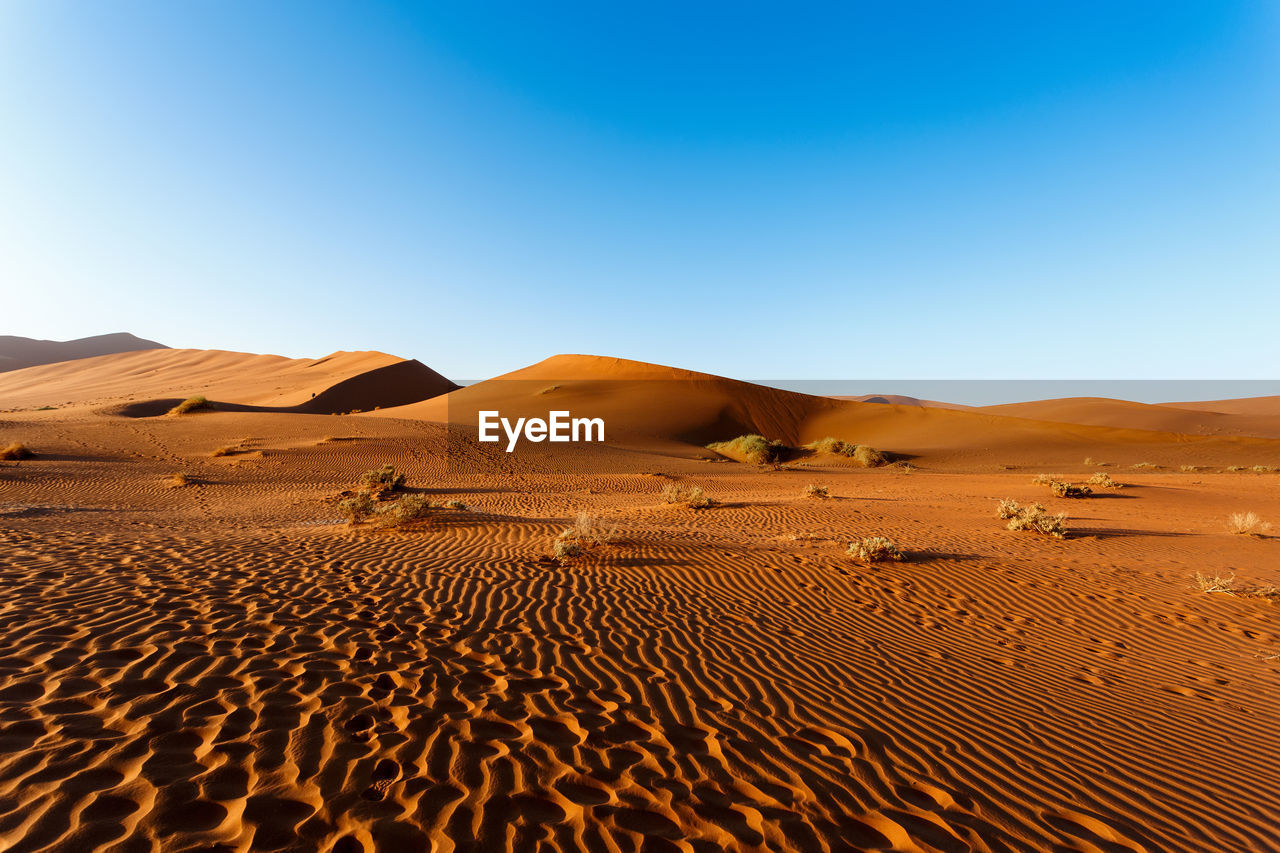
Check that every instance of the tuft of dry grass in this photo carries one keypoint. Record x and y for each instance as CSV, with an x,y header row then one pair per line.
x,y
1247,524
191,404
549,389
1067,490
1264,469
813,490
1090,461
1046,479
229,450
1032,517
1150,465
1103,480
1234,468
867,457
180,479
875,549
587,533
16,451
1227,586
691,496
753,448
1190,469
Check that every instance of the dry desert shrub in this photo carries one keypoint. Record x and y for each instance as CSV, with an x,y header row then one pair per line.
x,y
1150,465
1067,490
753,448
1032,517
1217,583
191,404
549,389
1227,586
379,481
867,457
587,533
1046,479
1189,469
813,490
691,496
181,479
1247,524
1264,469
16,451
357,508
1234,468
1090,461
1103,480
875,549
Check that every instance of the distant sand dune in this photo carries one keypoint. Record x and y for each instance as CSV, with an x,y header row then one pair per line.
x,y
139,382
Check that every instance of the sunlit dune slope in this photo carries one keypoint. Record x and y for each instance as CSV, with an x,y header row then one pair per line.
x,y
1100,411
666,404
145,383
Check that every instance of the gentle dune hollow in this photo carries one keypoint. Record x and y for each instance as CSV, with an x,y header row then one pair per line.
x,y
220,662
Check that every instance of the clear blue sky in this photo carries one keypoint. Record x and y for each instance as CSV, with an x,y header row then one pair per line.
x,y
914,190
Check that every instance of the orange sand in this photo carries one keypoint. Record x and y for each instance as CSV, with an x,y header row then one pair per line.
x,y
225,666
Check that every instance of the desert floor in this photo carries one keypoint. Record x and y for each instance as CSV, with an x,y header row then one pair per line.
x,y
227,665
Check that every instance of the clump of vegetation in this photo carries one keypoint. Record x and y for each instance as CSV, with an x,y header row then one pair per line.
x,y
181,479
1227,586
875,549
16,451
1033,517
1103,480
691,496
357,508
191,404
753,448
1247,524
1151,465
380,481
1264,469
229,450
867,457
1189,469
403,511
1234,468
453,504
1090,461
549,389
1068,490
813,490
1046,479
587,533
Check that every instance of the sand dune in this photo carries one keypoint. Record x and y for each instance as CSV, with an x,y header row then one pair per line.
x,y
647,402
149,382
1190,420
17,352
1252,406
224,666
902,400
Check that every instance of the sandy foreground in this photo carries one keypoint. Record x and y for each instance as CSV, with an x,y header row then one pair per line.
x,y
227,665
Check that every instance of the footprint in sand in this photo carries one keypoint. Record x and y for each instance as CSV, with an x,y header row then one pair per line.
x,y
384,775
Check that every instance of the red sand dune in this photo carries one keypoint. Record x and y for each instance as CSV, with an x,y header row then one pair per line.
x,y
1188,419
149,382
643,400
